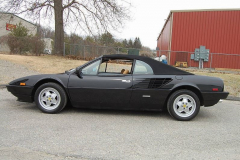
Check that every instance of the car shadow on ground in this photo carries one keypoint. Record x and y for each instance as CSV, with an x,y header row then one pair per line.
x,y
203,114
70,110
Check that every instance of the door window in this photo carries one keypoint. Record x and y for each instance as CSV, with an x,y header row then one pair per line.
x,y
91,69
142,68
116,66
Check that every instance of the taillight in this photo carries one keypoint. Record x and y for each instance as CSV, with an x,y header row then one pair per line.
x,y
215,89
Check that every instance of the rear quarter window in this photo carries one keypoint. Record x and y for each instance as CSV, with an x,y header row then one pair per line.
x,y
142,68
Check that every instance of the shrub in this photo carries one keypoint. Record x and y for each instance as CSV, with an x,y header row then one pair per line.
x,y
37,45
18,45
20,42
21,45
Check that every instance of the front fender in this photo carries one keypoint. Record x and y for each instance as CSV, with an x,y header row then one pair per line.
x,y
61,79
50,79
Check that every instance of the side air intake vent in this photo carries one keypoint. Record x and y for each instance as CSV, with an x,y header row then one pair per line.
x,y
158,82
152,83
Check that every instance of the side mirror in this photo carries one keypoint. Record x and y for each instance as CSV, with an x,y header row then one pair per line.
x,y
79,73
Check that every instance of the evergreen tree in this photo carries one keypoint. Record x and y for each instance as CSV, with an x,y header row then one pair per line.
x,y
107,39
125,43
19,31
75,39
130,44
89,40
137,43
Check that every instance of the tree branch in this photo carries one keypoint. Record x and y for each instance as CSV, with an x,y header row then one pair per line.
x,y
69,4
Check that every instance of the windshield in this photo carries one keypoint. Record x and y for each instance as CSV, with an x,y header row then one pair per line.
x,y
72,70
79,67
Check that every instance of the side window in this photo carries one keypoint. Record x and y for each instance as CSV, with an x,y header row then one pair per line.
x,y
142,68
91,69
116,66
103,67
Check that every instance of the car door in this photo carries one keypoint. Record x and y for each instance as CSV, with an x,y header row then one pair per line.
x,y
100,90
148,91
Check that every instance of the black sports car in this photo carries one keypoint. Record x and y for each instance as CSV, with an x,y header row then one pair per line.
x,y
122,82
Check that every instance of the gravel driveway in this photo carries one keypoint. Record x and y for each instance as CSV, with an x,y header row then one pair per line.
x,y
10,71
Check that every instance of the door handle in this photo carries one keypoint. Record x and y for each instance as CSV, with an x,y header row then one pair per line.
x,y
126,81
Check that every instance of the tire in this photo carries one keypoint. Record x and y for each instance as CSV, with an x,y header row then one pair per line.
x,y
50,98
183,105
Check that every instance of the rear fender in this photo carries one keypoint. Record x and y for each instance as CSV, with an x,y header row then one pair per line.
x,y
187,86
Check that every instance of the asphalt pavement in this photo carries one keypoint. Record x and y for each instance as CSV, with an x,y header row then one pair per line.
x,y
26,133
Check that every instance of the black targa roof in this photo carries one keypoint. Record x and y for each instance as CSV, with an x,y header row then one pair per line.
x,y
159,68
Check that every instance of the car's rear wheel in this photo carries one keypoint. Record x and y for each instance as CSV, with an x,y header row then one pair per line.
x,y
183,105
50,98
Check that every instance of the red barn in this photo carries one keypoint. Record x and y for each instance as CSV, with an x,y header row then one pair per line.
x,y
218,30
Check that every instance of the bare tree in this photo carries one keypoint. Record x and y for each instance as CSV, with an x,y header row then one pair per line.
x,y
91,16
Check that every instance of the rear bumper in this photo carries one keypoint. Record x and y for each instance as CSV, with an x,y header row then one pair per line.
x,y
23,93
212,98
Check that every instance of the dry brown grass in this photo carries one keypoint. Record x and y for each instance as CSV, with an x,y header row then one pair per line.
x,y
55,64
231,81
45,63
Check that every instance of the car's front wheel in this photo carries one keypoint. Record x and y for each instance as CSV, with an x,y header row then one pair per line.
x,y
183,105
50,98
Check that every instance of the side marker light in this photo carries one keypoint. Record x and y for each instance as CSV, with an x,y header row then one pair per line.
x,y
22,84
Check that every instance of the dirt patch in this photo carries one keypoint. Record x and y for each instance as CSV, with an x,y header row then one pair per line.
x,y
10,71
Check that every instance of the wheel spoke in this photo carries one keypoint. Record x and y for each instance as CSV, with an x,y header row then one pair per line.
x,y
44,99
180,109
48,94
54,95
179,104
190,104
48,103
186,110
54,101
185,100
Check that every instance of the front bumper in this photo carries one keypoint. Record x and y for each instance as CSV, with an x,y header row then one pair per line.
x,y
23,93
212,98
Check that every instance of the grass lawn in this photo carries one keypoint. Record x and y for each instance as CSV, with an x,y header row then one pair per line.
x,y
55,64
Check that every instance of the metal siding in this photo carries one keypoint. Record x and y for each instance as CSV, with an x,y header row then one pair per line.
x,y
164,38
219,31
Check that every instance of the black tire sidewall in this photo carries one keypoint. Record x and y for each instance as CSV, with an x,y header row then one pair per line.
x,y
61,92
172,99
